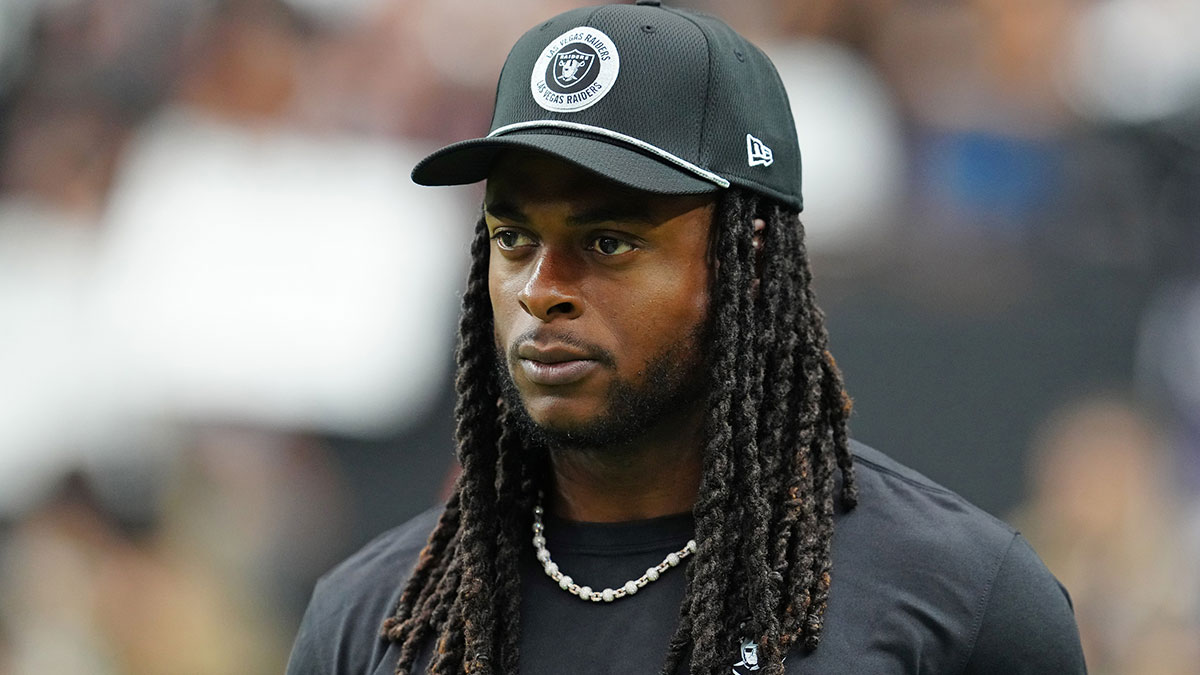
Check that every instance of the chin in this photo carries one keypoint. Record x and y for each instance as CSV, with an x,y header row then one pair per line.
x,y
564,416
557,418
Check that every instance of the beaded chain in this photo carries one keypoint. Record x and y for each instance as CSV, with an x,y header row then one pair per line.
x,y
585,592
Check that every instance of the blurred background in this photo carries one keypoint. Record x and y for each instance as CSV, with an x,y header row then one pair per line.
x,y
227,317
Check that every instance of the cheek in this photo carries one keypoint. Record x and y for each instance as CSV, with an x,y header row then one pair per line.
x,y
688,291
670,306
698,283
692,314
497,292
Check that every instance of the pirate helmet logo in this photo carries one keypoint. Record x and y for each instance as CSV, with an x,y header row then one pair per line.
x,y
572,68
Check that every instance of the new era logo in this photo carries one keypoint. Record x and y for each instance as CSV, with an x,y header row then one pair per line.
x,y
757,152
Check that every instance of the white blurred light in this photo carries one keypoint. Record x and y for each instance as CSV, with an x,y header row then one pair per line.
x,y
241,276
44,392
276,278
850,143
1135,61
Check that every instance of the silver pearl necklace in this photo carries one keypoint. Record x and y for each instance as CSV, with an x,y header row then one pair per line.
x,y
585,592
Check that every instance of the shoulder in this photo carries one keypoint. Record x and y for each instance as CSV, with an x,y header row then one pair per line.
x,y
904,507
385,556
340,629
939,580
1027,624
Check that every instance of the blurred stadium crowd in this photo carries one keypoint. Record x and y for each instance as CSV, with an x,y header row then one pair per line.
x,y
226,316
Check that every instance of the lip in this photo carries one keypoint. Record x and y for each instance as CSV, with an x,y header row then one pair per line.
x,y
551,353
559,372
554,364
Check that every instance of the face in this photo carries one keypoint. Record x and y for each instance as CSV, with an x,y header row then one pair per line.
x,y
599,295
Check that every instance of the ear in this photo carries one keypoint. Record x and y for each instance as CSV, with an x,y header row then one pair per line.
x,y
760,227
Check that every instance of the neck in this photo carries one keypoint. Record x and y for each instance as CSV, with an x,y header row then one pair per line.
x,y
654,475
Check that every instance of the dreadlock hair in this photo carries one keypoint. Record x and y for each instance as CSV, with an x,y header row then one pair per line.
x,y
776,439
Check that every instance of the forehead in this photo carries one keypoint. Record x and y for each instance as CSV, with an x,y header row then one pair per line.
x,y
521,178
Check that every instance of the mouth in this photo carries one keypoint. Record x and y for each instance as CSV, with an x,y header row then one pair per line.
x,y
554,365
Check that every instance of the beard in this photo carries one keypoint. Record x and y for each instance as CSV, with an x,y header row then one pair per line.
x,y
673,381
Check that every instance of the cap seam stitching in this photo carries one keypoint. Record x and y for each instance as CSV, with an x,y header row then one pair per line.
x,y
798,187
587,22
708,80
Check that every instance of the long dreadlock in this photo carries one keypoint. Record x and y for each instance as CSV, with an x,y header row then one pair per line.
x,y
775,439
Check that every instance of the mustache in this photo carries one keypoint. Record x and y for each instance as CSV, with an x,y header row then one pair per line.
x,y
543,336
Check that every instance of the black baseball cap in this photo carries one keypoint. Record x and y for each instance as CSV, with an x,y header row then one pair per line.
x,y
661,99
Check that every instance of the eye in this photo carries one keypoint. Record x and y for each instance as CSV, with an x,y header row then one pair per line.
x,y
511,239
605,245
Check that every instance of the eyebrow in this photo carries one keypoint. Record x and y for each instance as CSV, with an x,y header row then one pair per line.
x,y
627,213
505,210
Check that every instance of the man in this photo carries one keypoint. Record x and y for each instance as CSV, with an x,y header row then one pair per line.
x,y
656,474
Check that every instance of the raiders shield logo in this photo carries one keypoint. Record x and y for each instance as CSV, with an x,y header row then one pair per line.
x,y
572,68
575,71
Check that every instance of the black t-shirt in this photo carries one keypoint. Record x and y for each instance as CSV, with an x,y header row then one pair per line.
x,y
923,582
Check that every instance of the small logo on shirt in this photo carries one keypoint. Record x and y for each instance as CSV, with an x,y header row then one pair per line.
x,y
575,70
749,655
757,152
749,662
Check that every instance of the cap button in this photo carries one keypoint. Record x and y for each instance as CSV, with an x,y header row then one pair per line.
x,y
650,3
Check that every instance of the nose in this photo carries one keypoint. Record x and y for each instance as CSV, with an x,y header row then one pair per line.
x,y
551,291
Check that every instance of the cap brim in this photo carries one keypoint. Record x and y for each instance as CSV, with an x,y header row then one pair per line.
x,y
471,161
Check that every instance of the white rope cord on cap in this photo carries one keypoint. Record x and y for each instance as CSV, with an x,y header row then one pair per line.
x,y
617,136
